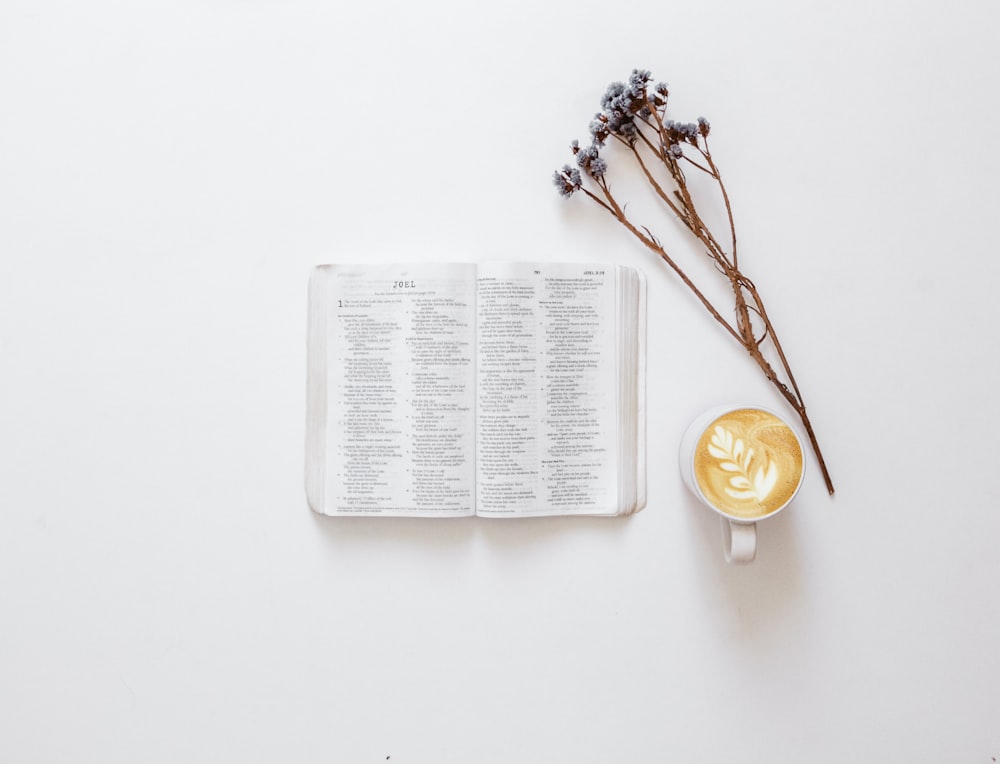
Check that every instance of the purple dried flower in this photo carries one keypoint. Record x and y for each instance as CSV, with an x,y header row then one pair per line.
x,y
589,160
599,129
615,89
636,90
567,180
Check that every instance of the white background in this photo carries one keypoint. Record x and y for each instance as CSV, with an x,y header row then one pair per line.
x,y
169,173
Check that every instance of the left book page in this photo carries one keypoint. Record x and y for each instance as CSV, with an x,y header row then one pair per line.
x,y
391,391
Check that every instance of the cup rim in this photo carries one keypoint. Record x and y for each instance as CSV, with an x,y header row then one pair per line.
x,y
715,413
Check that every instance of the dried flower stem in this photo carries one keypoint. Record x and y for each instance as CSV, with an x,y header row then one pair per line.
x,y
634,116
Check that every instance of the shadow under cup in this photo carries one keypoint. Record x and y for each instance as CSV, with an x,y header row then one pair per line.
x,y
746,464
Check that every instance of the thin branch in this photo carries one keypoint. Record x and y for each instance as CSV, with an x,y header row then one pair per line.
x,y
661,193
705,170
725,198
613,207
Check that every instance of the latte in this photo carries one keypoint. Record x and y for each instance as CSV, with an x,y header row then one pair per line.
x,y
748,463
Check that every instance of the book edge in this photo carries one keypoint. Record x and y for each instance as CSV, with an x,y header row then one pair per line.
x,y
316,403
640,477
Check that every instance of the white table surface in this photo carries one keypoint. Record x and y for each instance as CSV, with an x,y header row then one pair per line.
x,y
169,173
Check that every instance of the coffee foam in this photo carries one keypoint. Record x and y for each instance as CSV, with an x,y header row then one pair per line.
x,y
748,463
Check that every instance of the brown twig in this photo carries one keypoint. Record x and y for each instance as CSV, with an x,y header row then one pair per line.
x,y
630,113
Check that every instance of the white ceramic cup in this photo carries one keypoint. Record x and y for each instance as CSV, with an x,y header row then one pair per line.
x,y
739,534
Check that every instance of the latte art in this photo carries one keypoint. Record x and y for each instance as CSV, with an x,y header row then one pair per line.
x,y
748,463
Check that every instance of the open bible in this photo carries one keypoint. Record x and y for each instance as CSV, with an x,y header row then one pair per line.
x,y
498,389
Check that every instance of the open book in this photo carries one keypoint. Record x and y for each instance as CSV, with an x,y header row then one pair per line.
x,y
499,389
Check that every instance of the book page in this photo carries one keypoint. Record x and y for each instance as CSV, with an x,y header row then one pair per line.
x,y
546,367
401,398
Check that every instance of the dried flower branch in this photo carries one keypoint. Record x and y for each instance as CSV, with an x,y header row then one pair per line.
x,y
633,115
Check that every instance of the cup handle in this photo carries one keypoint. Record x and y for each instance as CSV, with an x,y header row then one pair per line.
x,y
739,541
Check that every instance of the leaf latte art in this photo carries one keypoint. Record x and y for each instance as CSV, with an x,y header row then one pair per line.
x,y
738,460
748,463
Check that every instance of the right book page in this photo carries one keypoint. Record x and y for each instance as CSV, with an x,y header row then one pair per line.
x,y
548,439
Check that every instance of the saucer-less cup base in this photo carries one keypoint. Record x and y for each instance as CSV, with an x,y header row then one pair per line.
x,y
739,535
